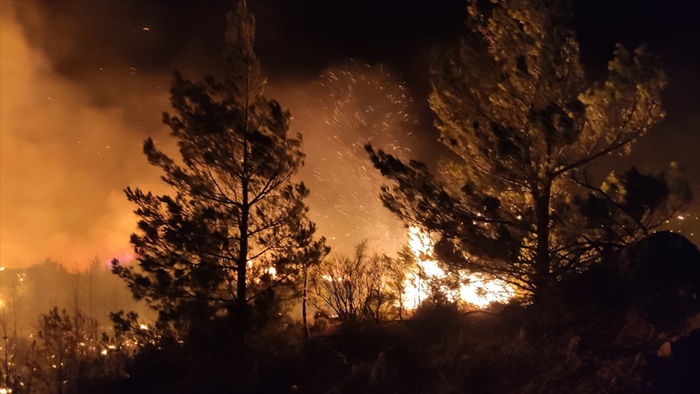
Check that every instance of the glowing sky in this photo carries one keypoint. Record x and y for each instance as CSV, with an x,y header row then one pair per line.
x,y
84,83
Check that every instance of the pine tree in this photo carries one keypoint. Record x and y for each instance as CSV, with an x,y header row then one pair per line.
x,y
235,226
514,105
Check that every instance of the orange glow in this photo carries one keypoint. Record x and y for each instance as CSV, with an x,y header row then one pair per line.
x,y
65,160
475,289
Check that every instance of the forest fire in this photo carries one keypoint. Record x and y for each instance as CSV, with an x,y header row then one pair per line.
x,y
281,223
474,289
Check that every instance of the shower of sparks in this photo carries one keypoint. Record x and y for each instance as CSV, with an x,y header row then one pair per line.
x,y
686,224
349,107
474,289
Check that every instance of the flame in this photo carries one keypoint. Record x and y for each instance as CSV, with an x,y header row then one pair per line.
x,y
475,289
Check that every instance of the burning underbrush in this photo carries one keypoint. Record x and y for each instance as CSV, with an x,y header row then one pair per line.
x,y
349,291
472,289
614,328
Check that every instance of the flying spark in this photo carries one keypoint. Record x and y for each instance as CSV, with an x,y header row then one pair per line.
x,y
348,107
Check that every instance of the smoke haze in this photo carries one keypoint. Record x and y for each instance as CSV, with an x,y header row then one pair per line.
x,y
83,83
64,161
71,145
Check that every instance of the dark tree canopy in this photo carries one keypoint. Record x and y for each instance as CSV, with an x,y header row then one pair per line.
x,y
525,125
235,226
628,205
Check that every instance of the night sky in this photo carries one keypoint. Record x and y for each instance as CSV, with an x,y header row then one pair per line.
x,y
84,82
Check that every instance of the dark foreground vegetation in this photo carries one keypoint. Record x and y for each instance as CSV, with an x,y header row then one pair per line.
x,y
629,325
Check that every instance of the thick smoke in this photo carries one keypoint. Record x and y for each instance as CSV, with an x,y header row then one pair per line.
x,y
70,145
65,159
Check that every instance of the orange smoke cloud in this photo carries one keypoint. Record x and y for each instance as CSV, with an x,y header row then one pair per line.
x,y
63,163
71,144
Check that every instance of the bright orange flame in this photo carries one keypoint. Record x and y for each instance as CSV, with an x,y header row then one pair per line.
x,y
475,289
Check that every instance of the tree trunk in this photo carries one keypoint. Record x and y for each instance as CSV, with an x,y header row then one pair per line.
x,y
241,304
303,304
542,275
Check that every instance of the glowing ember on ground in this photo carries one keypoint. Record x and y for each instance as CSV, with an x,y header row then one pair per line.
x,y
475,289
